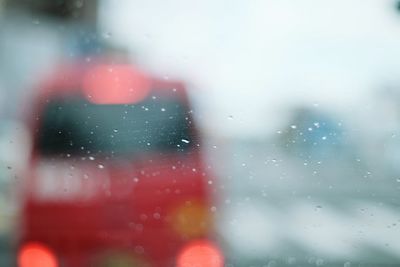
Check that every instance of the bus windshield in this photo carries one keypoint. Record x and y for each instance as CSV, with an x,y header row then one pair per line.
x,y
74,126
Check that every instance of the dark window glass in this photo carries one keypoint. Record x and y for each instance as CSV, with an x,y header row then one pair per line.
x,y
76,126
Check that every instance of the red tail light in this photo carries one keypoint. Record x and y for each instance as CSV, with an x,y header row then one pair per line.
x,y
200,253
36,255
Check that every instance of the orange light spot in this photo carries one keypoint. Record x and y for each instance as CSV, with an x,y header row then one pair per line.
x,y
200,254
193,220
36,255
120,84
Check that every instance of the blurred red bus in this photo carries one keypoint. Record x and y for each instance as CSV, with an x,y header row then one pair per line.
x,y
116,176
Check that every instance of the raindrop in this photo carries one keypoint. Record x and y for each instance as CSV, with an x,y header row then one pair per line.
x,y
230,117
91,158
100,166
213,209
210,182
139,249
106,35
347,264
293,126
79,4
139,227
156,216
185,141
115,130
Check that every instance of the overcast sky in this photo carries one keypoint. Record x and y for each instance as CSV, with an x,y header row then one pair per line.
x,y
253,59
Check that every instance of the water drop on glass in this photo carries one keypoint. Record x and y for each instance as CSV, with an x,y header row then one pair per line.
x,y
106,35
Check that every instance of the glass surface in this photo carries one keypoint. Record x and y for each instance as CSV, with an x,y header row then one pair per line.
x,y
77,127
286,151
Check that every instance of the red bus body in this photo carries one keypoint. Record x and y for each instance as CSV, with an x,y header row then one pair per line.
x,y
105,211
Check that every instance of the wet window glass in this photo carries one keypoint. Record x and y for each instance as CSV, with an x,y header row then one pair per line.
x,y
233,133
78,127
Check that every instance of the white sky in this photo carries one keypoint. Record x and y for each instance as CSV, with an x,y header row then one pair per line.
x,y
252,59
